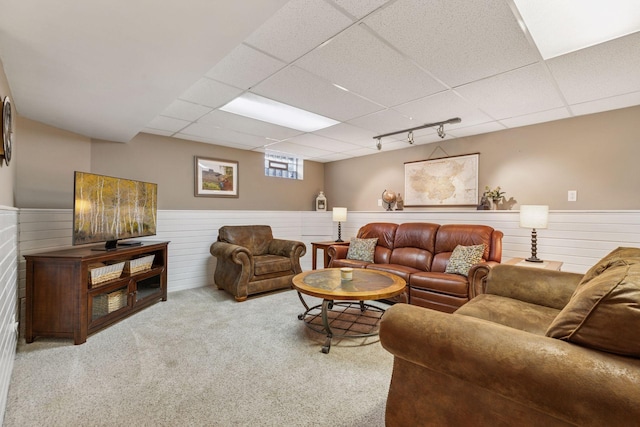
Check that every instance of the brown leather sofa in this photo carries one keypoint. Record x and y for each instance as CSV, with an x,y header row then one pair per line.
x,y
419,253
251,261
540,347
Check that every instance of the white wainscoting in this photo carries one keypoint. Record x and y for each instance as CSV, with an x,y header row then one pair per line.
x,y
8,292
577,238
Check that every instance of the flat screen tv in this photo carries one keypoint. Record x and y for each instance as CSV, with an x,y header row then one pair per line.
x,y
108,209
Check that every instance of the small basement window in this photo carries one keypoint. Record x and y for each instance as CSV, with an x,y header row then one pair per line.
x,y
282,165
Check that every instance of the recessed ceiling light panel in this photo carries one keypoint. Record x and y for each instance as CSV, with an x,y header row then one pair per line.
x,y
270,111
562,26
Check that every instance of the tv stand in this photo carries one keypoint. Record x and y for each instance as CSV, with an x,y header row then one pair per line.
x,y
129,243
62,302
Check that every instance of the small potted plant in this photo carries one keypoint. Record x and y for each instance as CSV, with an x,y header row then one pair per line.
x,y
493,196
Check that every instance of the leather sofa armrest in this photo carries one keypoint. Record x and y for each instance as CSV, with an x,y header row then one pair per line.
x,y
568,381
550,288
337,252
478,277
234,253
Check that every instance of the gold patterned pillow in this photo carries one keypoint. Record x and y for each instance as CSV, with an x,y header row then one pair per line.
x,y
362,249
463,257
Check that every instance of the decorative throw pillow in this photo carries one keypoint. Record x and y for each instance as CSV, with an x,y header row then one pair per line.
x,y
362,249
463,257
603,312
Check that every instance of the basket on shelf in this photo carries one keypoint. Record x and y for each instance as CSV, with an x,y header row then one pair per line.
x,y
139,264
106,303
100,273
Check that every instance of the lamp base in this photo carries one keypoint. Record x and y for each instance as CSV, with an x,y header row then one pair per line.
x,y
339,241
533,259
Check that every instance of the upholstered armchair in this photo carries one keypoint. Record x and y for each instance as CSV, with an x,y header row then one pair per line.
x,y
250,261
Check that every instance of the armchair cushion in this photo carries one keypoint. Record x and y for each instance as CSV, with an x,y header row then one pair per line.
x,y
463,257
362,249
604,312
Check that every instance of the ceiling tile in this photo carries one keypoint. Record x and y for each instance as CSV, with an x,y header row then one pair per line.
x,y
298,27
185,110
539,117
459,41
299,150
360,8
364,151
348,133
167,123
205,130
210,93
311,140
606,104
475,130
157,131
516,93
604,70
301,89
359,61
443,106
244,67
243,124
384,122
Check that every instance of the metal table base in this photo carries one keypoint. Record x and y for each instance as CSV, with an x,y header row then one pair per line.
x,y
354,319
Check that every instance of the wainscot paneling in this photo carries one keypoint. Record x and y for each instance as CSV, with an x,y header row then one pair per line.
x,y
577,238
8,293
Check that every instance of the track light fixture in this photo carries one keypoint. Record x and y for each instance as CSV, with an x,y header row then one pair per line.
x,y
409,132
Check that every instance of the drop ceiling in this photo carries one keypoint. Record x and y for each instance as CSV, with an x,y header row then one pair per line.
x,y
112,69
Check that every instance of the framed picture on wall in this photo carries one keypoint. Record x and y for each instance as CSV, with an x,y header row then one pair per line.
x,y
215,177
448,181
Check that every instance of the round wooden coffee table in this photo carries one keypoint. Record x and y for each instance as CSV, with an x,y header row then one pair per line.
x,y
346,318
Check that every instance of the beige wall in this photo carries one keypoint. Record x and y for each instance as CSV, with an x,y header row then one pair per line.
x,y
169,162
8,173
49,156
47,159
597,155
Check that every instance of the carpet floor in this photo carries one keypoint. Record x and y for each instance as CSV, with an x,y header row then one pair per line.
x,y
202,359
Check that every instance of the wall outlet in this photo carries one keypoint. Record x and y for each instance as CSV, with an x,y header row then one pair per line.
x,y
572,195
379,202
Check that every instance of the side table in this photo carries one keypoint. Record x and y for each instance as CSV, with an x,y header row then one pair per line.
x,y
323,246
546,265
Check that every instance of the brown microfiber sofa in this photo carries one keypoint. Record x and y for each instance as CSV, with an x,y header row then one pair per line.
x,y
539,348
419,252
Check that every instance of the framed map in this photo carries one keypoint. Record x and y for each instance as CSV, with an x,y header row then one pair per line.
x,y
449,181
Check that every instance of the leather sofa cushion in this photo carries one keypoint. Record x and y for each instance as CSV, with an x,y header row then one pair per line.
x,y
604,312
268,264
418,259
446,283
451,235
510,312
397,269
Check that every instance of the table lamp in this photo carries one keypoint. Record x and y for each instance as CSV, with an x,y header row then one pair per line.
x,y
339,215
534,216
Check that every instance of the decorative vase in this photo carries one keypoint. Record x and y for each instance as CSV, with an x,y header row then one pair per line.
x,y
493,204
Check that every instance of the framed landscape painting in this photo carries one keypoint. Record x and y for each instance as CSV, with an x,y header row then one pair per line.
x,y
448,181
216,177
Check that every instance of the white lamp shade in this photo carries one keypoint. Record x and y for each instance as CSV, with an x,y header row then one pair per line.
x,y
339,214
534,216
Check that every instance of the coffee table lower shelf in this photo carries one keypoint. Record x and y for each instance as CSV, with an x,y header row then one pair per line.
x,y
348,319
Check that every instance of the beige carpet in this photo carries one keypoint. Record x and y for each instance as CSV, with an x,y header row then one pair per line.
x,y
202,359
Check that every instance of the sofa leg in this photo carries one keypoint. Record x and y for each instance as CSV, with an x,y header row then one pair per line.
x,y
240,299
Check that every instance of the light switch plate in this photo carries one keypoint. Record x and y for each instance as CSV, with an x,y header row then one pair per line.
x,y
572,195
